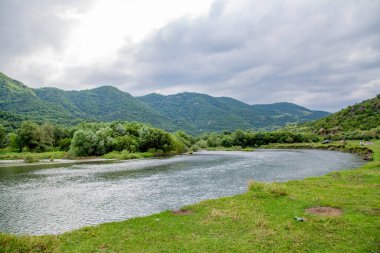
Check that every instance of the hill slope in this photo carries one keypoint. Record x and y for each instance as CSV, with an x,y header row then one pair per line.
x,y
192,112
17,98
105,103
361,116
71,107
200,112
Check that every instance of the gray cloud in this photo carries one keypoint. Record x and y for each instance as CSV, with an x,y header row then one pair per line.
x,y
320,54
26,27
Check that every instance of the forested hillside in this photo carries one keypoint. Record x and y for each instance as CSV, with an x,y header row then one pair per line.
x,y
192,112
105,103
200,112
363,116
17,98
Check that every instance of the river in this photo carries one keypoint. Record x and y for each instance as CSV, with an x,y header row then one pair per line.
x,y
54,200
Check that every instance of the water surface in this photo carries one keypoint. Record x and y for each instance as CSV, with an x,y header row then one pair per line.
x,y
55,200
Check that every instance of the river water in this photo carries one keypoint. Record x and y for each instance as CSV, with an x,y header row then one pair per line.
x,y
54,200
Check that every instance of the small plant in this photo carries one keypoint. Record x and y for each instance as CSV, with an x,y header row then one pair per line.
x,y
263,190
30,159
278,191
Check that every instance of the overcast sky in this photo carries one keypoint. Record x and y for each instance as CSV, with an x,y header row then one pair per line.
x,y
319,54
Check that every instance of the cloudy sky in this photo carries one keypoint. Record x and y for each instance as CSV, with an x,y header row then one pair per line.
x,y
319,54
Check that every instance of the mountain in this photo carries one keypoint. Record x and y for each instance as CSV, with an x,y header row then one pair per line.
x,y
17,98
283,113
361,116
199,112
105,103
192,112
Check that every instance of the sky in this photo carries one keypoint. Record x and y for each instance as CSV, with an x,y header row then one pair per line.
x,y
321,54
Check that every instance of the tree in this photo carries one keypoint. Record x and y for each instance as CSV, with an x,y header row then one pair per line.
x,y
213,140
13,141
3,136
27,135
85,143
45,137
126,142
227,141
239,137
154,138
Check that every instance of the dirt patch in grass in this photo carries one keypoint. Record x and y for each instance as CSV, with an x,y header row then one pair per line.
x,y
182,212
371,211
325,211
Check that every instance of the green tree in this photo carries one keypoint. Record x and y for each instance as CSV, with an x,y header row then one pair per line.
x,y
64,144
85,143
213,140
28,135
126,142
45,137
154,138
14,141
3,136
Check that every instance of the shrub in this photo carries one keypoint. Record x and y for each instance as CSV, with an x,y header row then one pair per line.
x,y
30,159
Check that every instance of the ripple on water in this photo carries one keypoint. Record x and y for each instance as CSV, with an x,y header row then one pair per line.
x,y
50,201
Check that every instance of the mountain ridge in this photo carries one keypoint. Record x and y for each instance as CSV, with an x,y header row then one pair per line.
x,y
192,112
363,116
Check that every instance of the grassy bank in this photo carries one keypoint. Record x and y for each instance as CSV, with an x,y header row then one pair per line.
x,y
8,155
366,152
123,155
260,220
233,148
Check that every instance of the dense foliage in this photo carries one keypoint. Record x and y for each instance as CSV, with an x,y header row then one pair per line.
x,y
2,136
95,139
38,138
197,113
360,121
246,139
190,112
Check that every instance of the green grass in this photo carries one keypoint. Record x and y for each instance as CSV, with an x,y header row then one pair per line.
x,y
260,220
233,148
125,155
366,152
7,155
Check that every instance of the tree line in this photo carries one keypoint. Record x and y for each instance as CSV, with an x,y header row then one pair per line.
x,y
246,139
94,139
97,139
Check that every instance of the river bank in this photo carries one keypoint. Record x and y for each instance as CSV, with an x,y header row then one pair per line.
x,y
354,147
28,159
260,220
22,163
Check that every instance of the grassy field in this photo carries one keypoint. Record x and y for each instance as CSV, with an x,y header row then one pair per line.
x,y
260,220
8,155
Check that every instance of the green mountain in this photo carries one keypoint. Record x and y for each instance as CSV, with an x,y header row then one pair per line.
x,y
71,107
105,103
192,112
283,113
361,116
199,112
19,99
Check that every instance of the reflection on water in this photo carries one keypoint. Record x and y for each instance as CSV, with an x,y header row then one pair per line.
x,y
54,200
